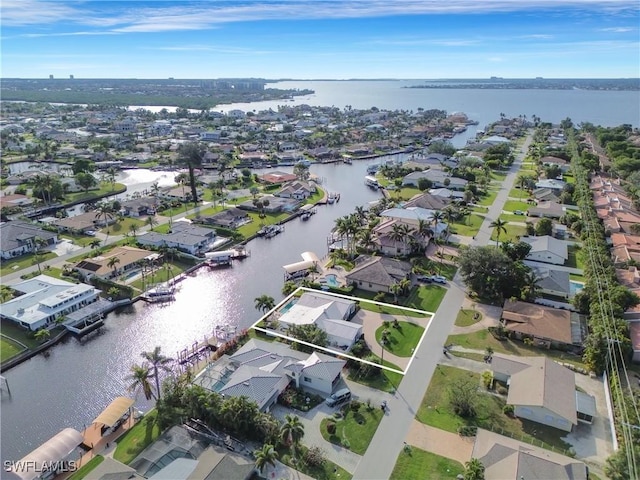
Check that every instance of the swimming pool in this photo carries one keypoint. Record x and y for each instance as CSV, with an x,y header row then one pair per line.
x,y
575,287
286,308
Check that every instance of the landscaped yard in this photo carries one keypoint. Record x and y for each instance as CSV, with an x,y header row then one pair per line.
x,y
519,193
122,226
488,199
257,223
466,318
356,429
416,463
24,261
86,468
575,259
21,335
9,348
436,411
513,205
137,439
498,176
387,381
482,339
105,188
403,339
514,232
467,226
426,297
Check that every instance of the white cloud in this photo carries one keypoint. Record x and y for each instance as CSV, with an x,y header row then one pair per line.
x,y
618,29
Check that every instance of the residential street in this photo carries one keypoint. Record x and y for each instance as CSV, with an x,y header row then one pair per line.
x,y
380,458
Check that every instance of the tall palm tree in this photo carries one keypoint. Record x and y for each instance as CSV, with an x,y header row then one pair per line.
x,y
366,239
104,212
133,228
292,431
265,456
113,262
158,362
38,244
191,155
531,288
152,221
500,226
139,378
264,303
395,289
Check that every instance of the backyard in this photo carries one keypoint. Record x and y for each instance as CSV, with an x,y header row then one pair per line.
x,y
415,463
137,439
467,226
436,411
355,429
9,348
575,259
514,232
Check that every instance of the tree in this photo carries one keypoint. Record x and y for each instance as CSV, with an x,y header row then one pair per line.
x,y
82,165
6,293
139,378
85,181
544,227
292,431
301,171
309,333
463,395
618,465
267,455
151,221
424,184
158,362
112,263
531,288
516,251
39,244
191,155
264,303
289,287
42,335
473,470
500,226
133,228
104,212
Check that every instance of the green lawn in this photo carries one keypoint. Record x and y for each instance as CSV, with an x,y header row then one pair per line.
x,y
436,411
513,233
9,348
122,226
468,226
327,471
357,428
577,278
22,262
414,463
257,223
508,217
426,297
405,193
483,339
387,381
88,467
519,194
513,205
389,310
402,339
575,259
466,318
137,439
498,176
488,199
82,240
105,188
21,335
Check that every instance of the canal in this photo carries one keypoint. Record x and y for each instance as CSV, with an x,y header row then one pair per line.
x,y
71,385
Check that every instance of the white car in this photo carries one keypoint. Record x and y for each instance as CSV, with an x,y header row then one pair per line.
x,y
91,233
438,279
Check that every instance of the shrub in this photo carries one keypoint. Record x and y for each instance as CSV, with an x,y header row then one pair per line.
x,y
508,410
502,390
331,427
314,456
355,405
487,379
467,431
346,443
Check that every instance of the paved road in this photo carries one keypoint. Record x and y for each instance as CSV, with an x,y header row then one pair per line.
x,y
380,458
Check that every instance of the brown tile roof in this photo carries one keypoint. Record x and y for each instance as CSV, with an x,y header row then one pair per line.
x,y
535,320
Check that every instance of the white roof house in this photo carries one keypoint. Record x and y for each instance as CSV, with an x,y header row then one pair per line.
x,y
45,299
413,215
327,312
547,249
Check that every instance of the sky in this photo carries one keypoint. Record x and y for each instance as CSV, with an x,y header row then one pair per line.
x,y
320,39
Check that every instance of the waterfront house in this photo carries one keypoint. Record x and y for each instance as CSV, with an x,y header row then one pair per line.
x,y
18,238
438,178
183,236
229,218
547,327
547,249
504,457
377,274
277,177
129,259
298,190
139,207
82,223
329,313
44,299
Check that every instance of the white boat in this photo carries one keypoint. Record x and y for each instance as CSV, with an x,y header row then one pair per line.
x,y
158,294
371,182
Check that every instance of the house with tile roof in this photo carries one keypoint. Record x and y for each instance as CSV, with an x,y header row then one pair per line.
x,y
505,457
19,238
547,249
553,282
547,327
129,259
377,274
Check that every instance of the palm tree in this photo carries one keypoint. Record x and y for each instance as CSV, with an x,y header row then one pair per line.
x,y
39,244
158,362
105,212
395,289
42,335
474,470
264,303
366,239
112,263
266,456
191,155
530,289
6,293
405,285
139,377
292,431
133,229
94,244
111,175
500,226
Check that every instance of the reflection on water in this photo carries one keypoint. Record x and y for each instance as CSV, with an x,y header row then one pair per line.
x,y
71,386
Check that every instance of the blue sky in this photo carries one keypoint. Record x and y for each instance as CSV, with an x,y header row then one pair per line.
x,y
306,39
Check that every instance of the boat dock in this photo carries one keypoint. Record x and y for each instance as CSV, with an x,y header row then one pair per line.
x,y
224,258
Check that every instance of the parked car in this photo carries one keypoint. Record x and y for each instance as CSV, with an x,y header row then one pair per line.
x,y
519,212
438,279
423,278
91,233
339,397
